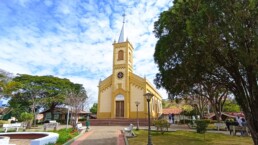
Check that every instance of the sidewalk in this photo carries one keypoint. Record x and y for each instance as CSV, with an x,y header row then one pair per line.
x,y
101,135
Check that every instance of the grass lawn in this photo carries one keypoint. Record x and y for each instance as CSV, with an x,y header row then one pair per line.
x,y
188,138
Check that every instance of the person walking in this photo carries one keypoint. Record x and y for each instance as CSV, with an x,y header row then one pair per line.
x,y
239,120
170,118
173,118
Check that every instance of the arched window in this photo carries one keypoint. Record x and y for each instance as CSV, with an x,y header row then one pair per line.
x,y
120,97
120,55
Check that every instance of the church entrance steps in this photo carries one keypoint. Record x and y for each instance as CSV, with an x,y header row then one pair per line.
x,y
117,122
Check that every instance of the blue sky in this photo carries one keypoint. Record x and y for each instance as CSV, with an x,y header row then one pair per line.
x,y
73,38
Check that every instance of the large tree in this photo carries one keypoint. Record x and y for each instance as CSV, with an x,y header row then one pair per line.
x,y
211,40
76,98
40,91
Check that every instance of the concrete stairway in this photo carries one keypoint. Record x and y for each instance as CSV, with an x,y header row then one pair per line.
x,y
117,122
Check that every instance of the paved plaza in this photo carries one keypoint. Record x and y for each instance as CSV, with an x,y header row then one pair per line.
x,y
101,135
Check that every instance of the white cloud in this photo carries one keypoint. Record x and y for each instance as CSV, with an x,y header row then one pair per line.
x,y
73,39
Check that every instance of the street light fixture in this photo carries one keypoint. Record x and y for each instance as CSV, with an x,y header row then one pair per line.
x,y
148,97
137,103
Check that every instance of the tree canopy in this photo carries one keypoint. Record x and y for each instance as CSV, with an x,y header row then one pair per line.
x,y
231,106
211,41
40,91
5,85
94,108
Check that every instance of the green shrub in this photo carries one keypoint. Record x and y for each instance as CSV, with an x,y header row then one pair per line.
x,y
65,135
161,125
201,125
26,116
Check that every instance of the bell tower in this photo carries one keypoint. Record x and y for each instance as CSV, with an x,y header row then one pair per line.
x,y
120,90
122,66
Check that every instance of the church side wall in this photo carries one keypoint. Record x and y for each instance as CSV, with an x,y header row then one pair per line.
x,y
136,94
156,102
105,100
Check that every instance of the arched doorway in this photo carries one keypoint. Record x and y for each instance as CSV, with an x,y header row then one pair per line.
x,y
120,106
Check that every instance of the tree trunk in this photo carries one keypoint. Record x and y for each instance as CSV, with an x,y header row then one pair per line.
x,y
52,111
73,121
52,115
213,106
34,114
252,123
28,124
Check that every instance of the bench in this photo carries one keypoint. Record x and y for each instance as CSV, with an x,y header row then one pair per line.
x,y
220,126
51,124
242,129
128,131
80,127
14,125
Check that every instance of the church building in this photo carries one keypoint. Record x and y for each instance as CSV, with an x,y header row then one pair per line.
x,y
120,92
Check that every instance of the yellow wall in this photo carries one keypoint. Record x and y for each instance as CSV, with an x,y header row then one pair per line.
x,y
105,100
103,115
136,95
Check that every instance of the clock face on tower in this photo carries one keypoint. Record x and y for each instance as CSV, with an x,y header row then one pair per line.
x,y
120,75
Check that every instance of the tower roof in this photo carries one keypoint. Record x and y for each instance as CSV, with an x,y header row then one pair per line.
x,y
122,33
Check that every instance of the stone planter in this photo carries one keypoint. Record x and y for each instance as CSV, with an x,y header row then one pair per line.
x,y
4,140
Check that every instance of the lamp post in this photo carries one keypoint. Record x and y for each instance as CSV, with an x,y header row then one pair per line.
x,y
137,103
148,97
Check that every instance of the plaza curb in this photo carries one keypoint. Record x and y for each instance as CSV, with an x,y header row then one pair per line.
x,y
125,138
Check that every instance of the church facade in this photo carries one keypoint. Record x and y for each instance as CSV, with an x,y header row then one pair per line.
x,y
118,93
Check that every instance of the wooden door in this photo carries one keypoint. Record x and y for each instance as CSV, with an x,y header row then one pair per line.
x,y
119,108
